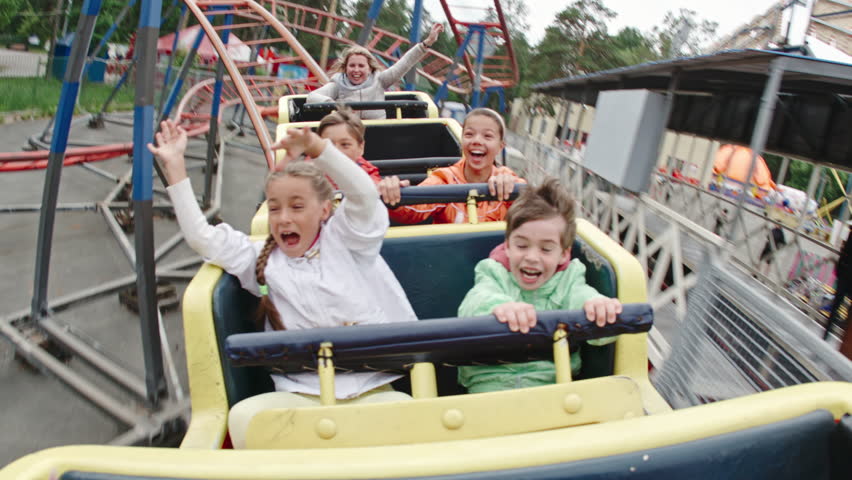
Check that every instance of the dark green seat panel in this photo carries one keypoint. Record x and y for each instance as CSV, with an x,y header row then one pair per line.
x,y
597,361
233,312
436,272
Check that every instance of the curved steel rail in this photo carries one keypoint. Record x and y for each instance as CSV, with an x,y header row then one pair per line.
x,y
435,67
241,16
500,68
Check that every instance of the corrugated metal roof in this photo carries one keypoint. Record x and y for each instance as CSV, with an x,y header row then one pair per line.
x,y
732,70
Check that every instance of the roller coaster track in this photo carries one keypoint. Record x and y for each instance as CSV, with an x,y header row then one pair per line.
x,y
268,23
254,92
435,66
499,68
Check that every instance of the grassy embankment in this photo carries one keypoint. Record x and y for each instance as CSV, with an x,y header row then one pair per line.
x,y
40,96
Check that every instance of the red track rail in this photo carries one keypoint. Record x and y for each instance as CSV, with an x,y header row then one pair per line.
x,y
260,94
498,69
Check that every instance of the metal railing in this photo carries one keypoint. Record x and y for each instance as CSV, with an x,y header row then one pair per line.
x,y
670,230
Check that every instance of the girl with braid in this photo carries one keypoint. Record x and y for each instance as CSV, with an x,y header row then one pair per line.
x,y
319,267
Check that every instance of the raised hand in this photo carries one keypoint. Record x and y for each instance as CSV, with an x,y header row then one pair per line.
x,y
436,30
299,141
171,146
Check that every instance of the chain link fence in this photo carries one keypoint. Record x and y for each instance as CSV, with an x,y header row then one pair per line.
x,y
736,340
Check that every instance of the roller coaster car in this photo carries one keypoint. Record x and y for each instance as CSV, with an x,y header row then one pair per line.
x,y
609,422
412,126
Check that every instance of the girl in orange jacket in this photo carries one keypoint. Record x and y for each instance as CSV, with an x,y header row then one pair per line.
x,y
482,140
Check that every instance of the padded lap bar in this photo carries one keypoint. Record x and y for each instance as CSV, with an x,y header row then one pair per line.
x,y
302,112
450,193
380,105
397,345
414,164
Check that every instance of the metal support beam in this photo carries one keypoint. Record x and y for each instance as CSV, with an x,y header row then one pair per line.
x,y
213,130
480,50
414,37
329,29
168,76
143,163
372,15
782,172
760,132
59,142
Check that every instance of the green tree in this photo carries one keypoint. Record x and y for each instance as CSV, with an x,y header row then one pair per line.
x,y
629,47
799,174
573,43
683,34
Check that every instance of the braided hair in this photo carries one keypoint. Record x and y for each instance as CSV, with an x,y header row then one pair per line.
x,y
266,310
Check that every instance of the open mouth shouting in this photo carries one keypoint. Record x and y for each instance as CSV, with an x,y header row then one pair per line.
x,y
529,276
478,156
289,239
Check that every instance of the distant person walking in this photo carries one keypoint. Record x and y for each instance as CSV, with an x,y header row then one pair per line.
x,y
774,243
841,291
721,221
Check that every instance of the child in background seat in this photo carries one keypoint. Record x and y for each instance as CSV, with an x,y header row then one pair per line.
x,y
533,271
318,267
346,132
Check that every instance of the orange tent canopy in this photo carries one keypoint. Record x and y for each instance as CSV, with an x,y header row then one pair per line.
x,y
734,162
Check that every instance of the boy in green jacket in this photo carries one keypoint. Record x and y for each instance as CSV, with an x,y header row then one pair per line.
x,y
533,271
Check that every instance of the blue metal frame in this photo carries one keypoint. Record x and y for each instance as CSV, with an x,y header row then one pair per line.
x,y
56,158
178,85
143,191
414,37
372,15
443,90
500,95
168,76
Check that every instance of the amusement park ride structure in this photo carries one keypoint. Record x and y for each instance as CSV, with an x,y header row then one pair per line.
x,y
198,108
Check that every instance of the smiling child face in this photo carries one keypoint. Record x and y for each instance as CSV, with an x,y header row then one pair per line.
x,y
535,251
295,214
482,140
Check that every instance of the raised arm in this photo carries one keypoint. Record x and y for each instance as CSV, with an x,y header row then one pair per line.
x,y
221,245
360,192
410,59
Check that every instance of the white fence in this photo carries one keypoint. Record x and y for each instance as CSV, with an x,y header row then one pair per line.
x,y
671,231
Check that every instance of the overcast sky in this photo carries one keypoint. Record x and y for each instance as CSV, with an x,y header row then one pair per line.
x,y
642,14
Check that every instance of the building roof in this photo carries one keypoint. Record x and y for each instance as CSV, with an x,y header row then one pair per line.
x,y
739,70
718,96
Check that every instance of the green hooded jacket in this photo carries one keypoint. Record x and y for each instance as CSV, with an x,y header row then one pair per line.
x,y
494,285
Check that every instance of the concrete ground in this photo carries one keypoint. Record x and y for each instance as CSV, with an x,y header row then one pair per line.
x,y
39,411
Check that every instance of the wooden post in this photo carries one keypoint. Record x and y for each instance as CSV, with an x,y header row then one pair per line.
x,y
329,28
